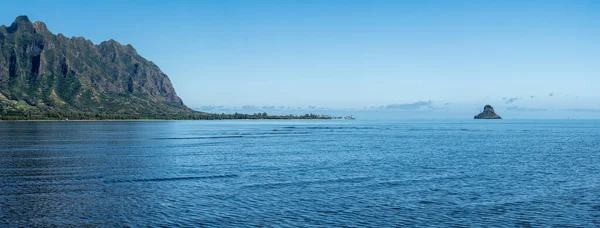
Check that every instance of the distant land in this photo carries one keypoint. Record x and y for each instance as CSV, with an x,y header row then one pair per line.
x,y
46,76
488,113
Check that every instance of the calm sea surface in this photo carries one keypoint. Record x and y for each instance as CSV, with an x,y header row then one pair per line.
x,y
300,173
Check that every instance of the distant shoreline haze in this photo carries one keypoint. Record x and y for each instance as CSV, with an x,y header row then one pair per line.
x,y
458,111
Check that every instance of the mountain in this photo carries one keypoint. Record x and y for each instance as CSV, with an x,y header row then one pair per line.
x,y
488,113
47,76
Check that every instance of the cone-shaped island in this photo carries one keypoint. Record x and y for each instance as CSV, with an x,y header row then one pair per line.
x,y
488,113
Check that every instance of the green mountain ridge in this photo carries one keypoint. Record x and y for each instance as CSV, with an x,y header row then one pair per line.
x,y
47,76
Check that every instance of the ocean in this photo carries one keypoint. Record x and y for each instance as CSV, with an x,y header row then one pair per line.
x,y
299,173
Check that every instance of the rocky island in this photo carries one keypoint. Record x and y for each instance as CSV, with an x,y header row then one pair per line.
x,y
47,76
488,113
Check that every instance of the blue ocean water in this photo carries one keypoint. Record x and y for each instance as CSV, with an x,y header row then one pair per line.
x,y
300,173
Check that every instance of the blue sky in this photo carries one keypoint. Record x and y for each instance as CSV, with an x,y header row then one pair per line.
x,y
352,54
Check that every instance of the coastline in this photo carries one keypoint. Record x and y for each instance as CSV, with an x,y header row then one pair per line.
x,y
172,116
123,120
151,120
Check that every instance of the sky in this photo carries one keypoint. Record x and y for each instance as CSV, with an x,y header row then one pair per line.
x,y
515,55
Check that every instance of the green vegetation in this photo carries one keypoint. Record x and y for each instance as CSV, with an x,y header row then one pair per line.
x,y
20,110
122,107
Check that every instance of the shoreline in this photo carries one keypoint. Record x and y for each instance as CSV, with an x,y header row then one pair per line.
x,y
136,120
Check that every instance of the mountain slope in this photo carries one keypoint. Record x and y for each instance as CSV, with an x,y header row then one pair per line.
x,y
43,75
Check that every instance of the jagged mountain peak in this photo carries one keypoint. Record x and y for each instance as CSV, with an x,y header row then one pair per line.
x,y
22,19
40,27
21,23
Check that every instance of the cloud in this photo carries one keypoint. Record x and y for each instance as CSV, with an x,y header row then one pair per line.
x,y
522,109
409,106
510,100
211,107
250,107
583,110
207,108
269,107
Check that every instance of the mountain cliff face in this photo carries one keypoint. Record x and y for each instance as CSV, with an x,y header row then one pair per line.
x,y
43,75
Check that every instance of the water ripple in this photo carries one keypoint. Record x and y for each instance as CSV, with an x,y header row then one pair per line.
x,y
300,174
